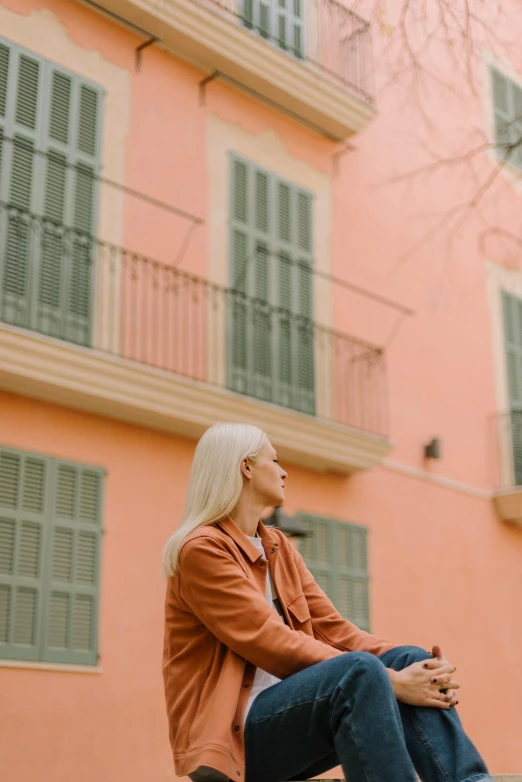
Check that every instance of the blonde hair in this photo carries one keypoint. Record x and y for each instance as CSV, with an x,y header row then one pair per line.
x,y
215,482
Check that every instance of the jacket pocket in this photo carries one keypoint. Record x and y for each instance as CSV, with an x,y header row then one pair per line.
x,y
300,613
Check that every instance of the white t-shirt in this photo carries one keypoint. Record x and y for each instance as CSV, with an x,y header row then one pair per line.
x,y
262,679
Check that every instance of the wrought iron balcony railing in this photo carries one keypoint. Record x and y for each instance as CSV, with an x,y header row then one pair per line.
x,y
324,34
66,284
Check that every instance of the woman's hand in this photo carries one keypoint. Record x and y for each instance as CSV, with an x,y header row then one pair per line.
x,y
438,654
420,684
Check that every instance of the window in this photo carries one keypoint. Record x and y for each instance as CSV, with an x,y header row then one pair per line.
x,y
279,21
336,555
49,155
512,312
270,321
507,101
50,528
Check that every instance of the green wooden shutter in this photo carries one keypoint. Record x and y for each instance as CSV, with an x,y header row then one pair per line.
x,y
285,331
50,530
22,84
265,18
286,324
512,313
54,256
47,269
73,563
352,574
507,107
16,269
336,555
247,14
23,497
516,102
296,373
256,15
4,71
297,28
290,25
260,294
5,57
71,137
280,21
271,322
239,275
305,323
501,110
86,154
318,552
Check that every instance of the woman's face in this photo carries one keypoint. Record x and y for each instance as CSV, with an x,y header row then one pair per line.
x,y
268,478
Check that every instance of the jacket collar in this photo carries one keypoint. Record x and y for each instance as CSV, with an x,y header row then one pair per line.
x,y
229,526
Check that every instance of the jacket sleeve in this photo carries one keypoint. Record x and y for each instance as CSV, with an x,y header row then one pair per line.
x,y
328,624
214,587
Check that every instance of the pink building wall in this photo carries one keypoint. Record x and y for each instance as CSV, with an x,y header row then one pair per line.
x,y
443,568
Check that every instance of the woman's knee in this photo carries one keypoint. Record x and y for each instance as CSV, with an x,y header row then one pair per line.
x,y
366,664
415,653
403,656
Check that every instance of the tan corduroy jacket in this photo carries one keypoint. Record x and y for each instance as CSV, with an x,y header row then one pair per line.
x,y
219,627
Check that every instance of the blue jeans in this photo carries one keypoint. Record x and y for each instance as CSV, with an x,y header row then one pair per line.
x,y
344,711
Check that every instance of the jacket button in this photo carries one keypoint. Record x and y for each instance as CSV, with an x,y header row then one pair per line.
x,y
237,727
247,685
261,564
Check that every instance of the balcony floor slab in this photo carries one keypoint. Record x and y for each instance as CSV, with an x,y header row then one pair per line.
x,y
84,379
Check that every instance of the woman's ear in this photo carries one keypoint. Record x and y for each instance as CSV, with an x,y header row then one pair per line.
x,y
246,469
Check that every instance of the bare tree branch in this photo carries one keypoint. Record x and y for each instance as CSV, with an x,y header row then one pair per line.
x,y
430,48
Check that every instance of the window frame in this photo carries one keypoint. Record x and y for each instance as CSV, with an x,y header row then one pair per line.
x,y
511,308
244,295
40,651
33,312
250,17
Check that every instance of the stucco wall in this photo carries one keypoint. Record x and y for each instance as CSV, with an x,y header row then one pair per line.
x,y
443,568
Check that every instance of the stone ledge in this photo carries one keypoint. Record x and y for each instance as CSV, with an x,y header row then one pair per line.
x,y
85,379
212,41
501,778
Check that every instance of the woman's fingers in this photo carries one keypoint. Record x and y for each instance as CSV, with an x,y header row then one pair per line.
x,y
431,664
446,698
442,678
450,686
438,704
449,696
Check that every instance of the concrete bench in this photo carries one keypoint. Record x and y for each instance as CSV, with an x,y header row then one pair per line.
x,y
497,778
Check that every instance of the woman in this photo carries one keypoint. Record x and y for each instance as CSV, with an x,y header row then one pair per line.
x,y
264,680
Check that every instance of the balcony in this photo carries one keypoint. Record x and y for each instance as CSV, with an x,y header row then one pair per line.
x,y
311,59
96,327
507,456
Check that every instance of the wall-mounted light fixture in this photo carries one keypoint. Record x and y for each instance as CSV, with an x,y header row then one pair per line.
x,y
432,450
